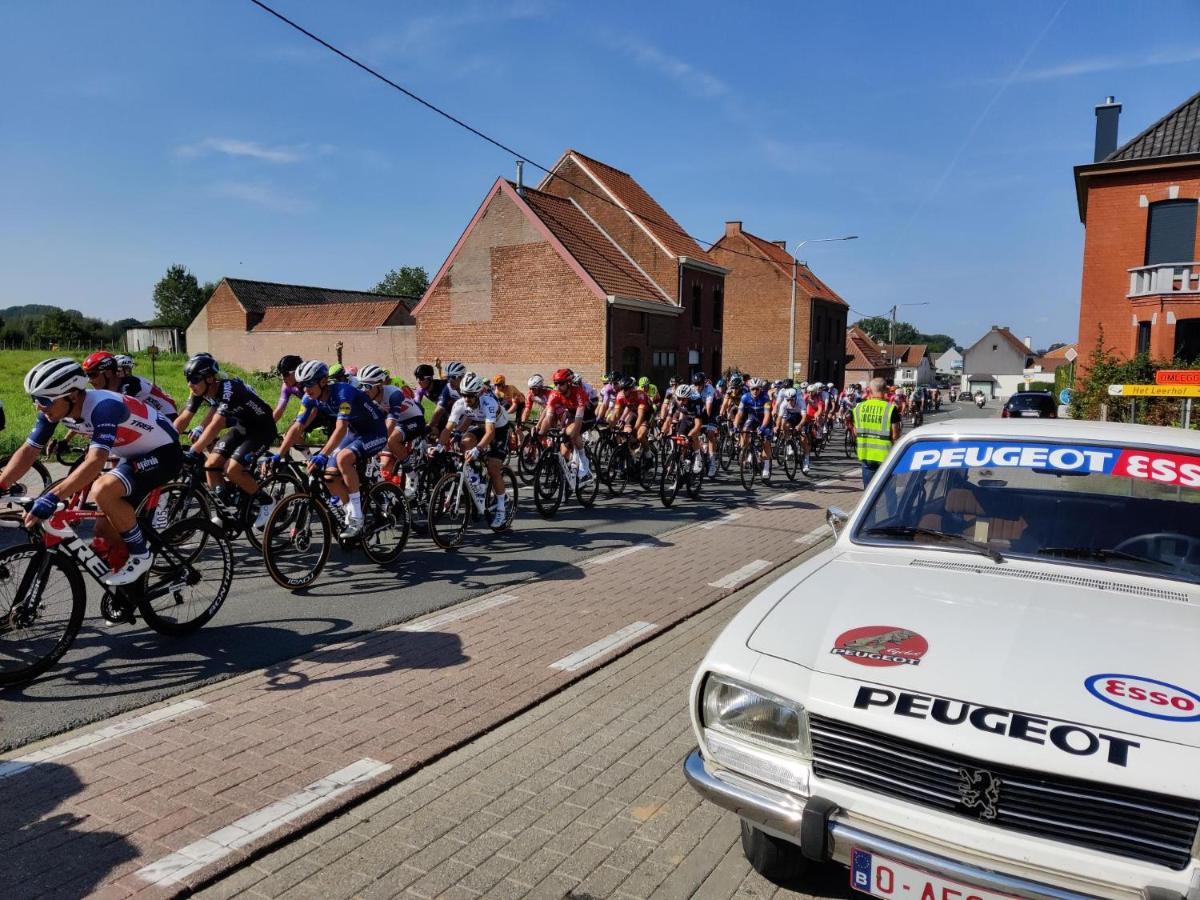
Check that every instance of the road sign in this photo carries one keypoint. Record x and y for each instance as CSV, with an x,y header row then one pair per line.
x,y
1071,354
1177,376
1064,396
1154,390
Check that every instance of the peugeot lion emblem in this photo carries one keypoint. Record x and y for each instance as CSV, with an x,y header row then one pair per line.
x,y
979,789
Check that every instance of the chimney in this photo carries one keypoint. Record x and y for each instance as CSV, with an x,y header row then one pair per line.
x,y
732,228
1028,342
1107,114
521,177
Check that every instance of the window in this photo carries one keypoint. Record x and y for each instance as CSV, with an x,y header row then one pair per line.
x,y
715,371
1187,340
663,359
1171,232
631,361
1143,337
718,308
696,300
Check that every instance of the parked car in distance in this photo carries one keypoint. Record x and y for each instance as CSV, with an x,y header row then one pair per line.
x,y
987,687
1031,405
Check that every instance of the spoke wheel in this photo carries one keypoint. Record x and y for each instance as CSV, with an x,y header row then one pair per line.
x,y
196,565
34,482
510,495
296,541
848,444
548,485
616,477
276,487
748,465
385,533
527,459
668,482
36,626
449,511
585,491
648,467
791,457
695,480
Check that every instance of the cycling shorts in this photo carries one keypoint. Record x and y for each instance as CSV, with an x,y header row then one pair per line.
x,y
243,446
498,448
142,474
412,428
685,424
363,446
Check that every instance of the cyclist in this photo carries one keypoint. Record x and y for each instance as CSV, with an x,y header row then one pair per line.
x,y
709,408
632,411
733,396
649,387
687,418
338,374
238,427
124,364
568,401
405,420
485,422
358,434
510,398
754,411
608,394
789,413
286,367
104,374
118,426
448,396
538,395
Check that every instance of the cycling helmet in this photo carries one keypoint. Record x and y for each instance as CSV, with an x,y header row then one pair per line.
x,y
687,392
561,375
287,364
814,388
54,378
124,361
424,370
372,375
535,381
789,393
626,382
789,383
336,370
310,372
672,381
199,367
100,361
699,378
736,380
829,384
352,370
499,380
720,382
757,383
804,385
644,381
471,384
577,378
456,370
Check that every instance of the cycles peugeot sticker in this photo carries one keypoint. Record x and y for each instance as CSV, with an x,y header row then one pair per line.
x,y
881,645
1145,696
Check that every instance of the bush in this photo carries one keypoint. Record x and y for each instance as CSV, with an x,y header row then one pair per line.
x,y
1104,368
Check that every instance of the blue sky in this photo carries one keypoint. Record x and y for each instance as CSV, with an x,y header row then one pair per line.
x,y
138,134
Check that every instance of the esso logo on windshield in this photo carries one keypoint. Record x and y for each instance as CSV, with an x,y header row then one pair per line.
x,y
1145,697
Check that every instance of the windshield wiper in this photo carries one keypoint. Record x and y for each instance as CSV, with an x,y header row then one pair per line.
x,y
1101,554
957,539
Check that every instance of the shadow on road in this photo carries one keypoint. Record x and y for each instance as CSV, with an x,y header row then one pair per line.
x,y
387,651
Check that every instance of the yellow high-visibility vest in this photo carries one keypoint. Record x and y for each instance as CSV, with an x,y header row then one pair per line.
x,y
873,429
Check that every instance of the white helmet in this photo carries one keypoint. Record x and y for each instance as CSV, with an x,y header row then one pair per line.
x,y
124,361
829,385
686,392
456,370
54,378
371,375
310,372
471,384
536,381
789,393
757,383
814,388
804,385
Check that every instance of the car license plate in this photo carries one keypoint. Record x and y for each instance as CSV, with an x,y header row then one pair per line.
x,y
894,880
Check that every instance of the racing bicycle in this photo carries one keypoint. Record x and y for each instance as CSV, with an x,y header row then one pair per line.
x,y
555,476
458,500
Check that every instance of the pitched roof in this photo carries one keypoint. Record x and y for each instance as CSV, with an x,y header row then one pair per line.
x,y
805,277
258,296
1008,337
1175,134
326,316
911,354
592,248
644,208
865,352
1059,352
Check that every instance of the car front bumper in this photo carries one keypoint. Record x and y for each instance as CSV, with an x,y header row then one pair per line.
x,y
815,825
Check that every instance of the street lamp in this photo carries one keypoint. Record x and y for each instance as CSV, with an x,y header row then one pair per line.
x,y
892,331
792,318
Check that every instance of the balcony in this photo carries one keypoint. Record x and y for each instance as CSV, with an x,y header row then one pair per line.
x,y
1165,278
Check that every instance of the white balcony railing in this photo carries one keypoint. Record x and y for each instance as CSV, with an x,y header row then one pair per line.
x,y
1165,278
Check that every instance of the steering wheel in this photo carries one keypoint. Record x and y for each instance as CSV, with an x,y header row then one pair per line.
x,y
1155,546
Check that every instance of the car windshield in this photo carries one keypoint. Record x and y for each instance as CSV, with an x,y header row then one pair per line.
x,y
1030,401
1128,508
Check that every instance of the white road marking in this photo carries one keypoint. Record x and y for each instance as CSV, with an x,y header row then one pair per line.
x,y
195,856
850,472
615,554
827,482
11,767
585,655
724,520
780,498
733,579
460,612
813,536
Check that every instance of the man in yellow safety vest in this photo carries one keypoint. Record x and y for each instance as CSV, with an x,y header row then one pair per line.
x,y
876,426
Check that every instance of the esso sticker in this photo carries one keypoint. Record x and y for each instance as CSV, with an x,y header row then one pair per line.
x,y
1145,697
1165,468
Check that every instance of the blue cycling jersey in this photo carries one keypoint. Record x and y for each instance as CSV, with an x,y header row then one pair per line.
x,y
349,405
755,406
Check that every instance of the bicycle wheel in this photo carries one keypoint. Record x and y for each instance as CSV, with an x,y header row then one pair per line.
x,y
449,511
668,480
296,541
385,533
586,489
527,458
616,476
510,501
647,467
34,482
748,465
180,500
604,451
848,444
276,487
693,480
548,484
36,626
190,578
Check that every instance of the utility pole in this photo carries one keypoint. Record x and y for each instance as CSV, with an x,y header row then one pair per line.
x,y
792,317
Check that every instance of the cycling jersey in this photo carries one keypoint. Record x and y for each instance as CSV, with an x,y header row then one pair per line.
x,y
121,425
237,401
447,397
349,405
755,407
150,394
507,394
574,398
591,393
608,393
487,411
631,400
791,410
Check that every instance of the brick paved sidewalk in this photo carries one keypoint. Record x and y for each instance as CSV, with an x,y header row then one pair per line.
x,y
583,796
170,798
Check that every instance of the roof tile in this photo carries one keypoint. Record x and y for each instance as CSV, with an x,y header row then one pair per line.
x,y
1175,134
326,316
258,296
805,277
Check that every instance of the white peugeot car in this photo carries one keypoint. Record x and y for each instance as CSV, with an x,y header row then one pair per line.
x,y
989,685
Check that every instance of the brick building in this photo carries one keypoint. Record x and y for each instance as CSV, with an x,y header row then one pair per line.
x,y
254,323
865,359
1138,204
759,309
670,258
534,284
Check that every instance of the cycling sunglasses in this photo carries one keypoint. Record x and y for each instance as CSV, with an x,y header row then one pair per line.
x,y
45,402
196,379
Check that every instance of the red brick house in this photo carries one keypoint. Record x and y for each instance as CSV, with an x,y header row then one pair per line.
x,y
670,258
865,359
759,310
253,323
533,284
1138,203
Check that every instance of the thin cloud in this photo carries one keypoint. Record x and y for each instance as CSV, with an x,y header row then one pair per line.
x,y
1110,64
260,194
692,79
426,35
240,148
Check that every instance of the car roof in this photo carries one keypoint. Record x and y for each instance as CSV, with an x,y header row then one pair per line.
x,y
1120,433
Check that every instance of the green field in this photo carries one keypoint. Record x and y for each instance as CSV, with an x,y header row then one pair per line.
x,y
168,374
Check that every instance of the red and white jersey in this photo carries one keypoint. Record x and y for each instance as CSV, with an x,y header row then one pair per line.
x,y
561,402
150,394
118,423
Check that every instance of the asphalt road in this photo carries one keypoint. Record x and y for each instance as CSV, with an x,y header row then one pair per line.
x,y
111,669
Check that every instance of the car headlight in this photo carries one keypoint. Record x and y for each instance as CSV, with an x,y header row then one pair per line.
x,y
755,716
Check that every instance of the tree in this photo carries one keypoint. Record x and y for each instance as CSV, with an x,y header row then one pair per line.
x,y
178,297
65,327
407,281
880,330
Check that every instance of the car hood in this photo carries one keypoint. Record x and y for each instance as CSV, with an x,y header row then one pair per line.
x,y
1063,643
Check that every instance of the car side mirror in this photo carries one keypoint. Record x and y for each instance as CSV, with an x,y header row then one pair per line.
x,y
836,518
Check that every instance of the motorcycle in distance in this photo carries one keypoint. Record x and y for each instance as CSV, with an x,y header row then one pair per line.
x,y
980,400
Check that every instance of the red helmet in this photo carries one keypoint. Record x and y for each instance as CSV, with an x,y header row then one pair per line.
x,y
100,361
562,375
